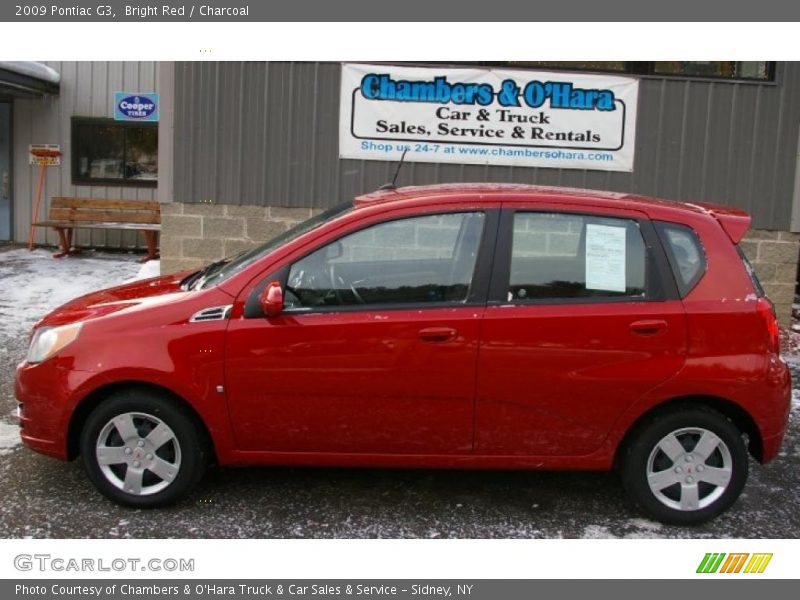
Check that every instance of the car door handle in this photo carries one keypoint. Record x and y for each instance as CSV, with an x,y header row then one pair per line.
x,y
648,327
438,334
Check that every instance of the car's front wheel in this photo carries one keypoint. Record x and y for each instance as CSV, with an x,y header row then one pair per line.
x,y
686,466
142,449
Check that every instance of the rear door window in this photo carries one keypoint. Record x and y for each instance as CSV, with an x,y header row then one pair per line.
x,y
685,253
564,256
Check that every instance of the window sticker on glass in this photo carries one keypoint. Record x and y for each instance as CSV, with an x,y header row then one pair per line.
x,y
605,258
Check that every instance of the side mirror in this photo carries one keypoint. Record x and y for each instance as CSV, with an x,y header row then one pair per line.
x,y
271,299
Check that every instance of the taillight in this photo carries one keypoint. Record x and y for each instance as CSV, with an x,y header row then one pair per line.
x,y
767,312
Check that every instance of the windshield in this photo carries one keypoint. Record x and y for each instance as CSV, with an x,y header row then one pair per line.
x,y
222,270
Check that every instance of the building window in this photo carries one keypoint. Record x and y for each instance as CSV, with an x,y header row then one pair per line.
x,y
108,152
711,69
722,69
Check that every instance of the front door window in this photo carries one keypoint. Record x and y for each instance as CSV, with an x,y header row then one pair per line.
x,y
418,260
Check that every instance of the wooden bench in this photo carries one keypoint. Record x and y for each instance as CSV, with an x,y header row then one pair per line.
x,y
67,214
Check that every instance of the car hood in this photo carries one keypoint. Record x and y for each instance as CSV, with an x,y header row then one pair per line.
x,y
157,290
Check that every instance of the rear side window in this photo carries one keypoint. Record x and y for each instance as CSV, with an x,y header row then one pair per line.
x,y
685,253
563,256
751,272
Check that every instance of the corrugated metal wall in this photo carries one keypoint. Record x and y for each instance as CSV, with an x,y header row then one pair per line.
x,y
87,90
267,134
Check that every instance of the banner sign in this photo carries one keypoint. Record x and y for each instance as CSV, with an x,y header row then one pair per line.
x,y
479,116
129,106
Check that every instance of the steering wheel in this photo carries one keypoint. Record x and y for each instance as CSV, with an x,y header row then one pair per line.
x,y
309,288
337,289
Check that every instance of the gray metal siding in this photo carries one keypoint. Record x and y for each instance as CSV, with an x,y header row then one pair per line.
x,y
86,90
267,134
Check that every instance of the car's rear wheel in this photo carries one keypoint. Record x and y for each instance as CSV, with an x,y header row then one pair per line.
x,y
686,466
142,449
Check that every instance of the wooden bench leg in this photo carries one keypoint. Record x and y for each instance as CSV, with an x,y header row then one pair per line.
x,y
64,241
151,237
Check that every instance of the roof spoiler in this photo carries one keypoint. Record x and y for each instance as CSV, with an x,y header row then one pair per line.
x,y
734,221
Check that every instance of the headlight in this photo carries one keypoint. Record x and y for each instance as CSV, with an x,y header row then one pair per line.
x,y
49,340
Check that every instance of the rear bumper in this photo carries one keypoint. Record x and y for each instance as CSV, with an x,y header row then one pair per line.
x,y
770,447
774,421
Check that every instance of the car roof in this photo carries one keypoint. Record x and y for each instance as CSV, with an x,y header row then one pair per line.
x,y
515,191
734,221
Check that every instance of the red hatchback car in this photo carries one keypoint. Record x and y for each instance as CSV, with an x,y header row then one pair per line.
x,y
460,326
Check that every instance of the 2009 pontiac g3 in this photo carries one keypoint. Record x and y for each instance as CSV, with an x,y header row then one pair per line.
x,y
465,326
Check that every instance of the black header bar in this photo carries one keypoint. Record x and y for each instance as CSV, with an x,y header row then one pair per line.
x,y
244,11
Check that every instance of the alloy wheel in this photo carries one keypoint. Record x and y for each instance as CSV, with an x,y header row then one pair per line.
x,y
138,453
689,469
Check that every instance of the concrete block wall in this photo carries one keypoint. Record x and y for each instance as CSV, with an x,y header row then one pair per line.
x,y
193,235
196,234
426,237
547,235
774,256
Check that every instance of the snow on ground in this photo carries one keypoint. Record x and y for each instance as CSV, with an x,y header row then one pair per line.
x,y
152,268
9,437
632,529
34,283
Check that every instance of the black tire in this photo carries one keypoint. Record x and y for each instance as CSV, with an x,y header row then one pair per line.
x,y
698,493
177,453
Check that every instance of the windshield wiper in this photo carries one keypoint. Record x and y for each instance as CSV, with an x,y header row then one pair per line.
x,y
189,282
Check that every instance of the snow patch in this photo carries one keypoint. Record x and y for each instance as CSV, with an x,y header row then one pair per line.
x,y
34,283
597,532
150,269
36,70
645,524
9,438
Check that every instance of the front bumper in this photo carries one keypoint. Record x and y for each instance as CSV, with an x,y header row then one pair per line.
x,y
47,394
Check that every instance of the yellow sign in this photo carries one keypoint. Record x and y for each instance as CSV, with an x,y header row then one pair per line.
x,y
48,155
